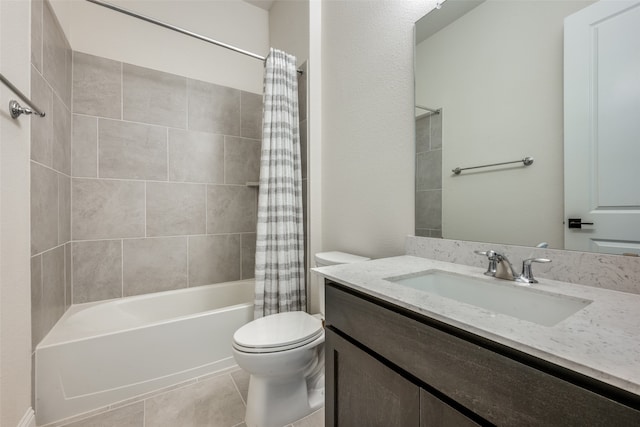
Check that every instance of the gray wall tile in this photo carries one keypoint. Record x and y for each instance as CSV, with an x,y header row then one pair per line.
x,y
153,265
84,146
53,283
64,209
37,331
61,118
214,402
241,160
429,209
213,108
436,131
231,209
304,148
214,259
155,97
97,85
196,157
250,115
302,91
44,208
126,416
67,275
175,209
103,209
429,170
56,49
423,134
41,127
131,150
97,270
37,7
248,242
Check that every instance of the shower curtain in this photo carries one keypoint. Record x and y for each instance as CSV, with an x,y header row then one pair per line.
x,y
279,271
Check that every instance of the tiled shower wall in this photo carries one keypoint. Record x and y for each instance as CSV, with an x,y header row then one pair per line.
x,y
429,175
160,165
50,171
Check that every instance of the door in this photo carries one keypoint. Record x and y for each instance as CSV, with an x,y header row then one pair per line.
x,y
602,128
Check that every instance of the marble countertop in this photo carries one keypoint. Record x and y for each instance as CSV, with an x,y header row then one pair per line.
x,y
602,340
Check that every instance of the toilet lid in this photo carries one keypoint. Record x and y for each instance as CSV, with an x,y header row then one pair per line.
x,y
278,332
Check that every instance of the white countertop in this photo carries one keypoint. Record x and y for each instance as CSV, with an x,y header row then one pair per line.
x,y
601,340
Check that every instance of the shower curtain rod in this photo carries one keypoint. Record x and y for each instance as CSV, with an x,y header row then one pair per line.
x,y
178,29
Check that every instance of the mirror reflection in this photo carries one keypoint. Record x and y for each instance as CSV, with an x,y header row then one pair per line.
x,y
490,81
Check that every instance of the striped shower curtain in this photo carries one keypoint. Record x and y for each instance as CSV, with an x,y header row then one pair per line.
x,y
280,277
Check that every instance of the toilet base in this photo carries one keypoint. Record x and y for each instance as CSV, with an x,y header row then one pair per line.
x,y
274,402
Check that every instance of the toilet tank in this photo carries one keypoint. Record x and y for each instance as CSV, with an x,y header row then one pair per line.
x,y
324,259
333,258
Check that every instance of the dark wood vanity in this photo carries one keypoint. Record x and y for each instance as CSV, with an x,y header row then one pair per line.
x,y
389,366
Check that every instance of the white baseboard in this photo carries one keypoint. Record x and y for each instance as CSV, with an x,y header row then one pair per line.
x,y
28,420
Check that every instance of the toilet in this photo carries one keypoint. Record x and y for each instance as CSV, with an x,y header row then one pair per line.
x,y
284,354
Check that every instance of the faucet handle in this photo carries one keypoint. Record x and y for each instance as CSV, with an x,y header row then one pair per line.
x,y
527,273
493,261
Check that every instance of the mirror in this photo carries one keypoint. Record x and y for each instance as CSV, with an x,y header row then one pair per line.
x,y
489,89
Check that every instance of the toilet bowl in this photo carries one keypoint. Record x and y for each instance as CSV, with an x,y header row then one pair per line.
x,y
284,355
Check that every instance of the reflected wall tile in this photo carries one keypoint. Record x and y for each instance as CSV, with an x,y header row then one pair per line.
x,y
248,255
84,146
423,134
213,108
155,97
304,149
302,91
41,127
37,332
231,209
436,131
175,209
154,265
126,416
97,270
64,209
54,55
131,150
429,209
241,160
53,283
103,209
429,170
61,118
67,275
44,208
214,259
250,115
37,7
196,157
213,402
97,86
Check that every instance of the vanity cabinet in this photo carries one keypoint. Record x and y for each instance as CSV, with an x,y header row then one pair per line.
x,y
389,366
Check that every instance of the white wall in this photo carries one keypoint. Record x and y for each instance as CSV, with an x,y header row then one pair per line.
x,y
497,73
289,27
15,317
367,125
98,31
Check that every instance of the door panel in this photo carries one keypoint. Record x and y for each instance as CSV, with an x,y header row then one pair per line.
x,y
602,129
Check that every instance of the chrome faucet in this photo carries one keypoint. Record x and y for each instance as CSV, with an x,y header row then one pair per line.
x,y
501,268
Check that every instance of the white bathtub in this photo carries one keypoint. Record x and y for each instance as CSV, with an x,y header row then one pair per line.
x,y
101,353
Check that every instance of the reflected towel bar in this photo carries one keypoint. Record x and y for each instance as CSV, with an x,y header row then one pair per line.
x,y
526,162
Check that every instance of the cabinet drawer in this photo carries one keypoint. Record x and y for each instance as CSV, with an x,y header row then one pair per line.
x,y
500,389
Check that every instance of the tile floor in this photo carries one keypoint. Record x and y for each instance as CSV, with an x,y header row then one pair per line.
x,y
217,400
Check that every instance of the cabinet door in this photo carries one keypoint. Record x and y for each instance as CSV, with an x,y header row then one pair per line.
x,y
362,391
435,413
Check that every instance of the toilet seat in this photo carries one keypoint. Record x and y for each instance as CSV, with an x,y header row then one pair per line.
x,y
278,332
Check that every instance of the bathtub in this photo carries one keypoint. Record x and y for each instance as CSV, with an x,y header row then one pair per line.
x,y
105,352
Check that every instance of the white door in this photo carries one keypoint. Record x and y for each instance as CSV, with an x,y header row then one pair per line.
x,y
602,127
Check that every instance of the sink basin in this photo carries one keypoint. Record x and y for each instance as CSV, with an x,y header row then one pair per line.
x,y
497,296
